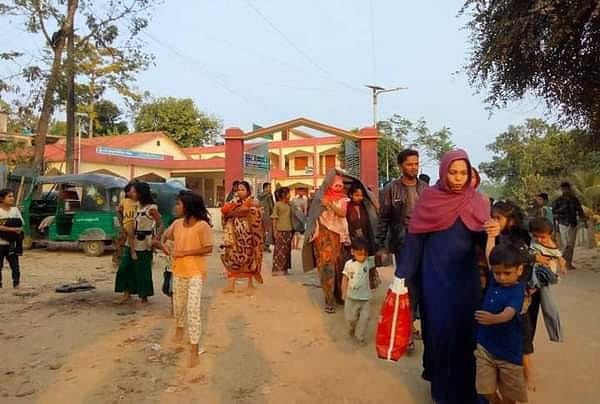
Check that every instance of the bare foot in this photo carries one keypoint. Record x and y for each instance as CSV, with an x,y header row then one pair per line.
x,y
178,338
123,299
195,352
531,384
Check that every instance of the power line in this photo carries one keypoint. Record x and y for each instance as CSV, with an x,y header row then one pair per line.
x,y
305,55
211,76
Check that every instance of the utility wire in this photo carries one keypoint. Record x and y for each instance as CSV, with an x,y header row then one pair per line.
x,y
302,53
212,76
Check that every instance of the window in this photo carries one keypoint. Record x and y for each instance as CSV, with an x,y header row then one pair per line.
x,y
329,162
300,163
275,161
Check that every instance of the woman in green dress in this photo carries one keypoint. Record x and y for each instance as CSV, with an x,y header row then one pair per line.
x,y
134,276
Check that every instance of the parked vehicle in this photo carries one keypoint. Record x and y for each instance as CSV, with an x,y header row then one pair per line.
x,y
72,210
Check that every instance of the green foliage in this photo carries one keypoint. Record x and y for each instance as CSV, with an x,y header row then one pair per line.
x,y
109,28
58,128
180,118
398,133
15,154
108,119
587,187
542,47
534,157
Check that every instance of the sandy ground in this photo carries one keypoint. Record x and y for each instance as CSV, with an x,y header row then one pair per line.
x,y
274,347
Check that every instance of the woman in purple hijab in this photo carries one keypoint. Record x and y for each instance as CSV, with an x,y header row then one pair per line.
x,y
445,231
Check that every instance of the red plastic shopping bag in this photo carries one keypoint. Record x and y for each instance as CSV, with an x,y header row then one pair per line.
x,y
394,325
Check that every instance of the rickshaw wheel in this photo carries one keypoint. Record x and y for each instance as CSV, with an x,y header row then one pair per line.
x,y
27,243
93,248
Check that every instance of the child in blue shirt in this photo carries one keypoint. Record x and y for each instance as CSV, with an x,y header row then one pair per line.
x,y
499,351
356,291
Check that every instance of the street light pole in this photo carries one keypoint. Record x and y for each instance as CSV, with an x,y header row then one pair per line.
x,y
376,91
80,114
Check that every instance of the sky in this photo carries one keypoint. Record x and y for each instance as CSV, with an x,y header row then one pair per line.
x,y
265,61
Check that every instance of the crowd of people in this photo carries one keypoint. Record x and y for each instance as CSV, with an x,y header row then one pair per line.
x,y
478,272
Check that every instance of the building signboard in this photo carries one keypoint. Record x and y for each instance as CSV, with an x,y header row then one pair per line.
x,y
116,152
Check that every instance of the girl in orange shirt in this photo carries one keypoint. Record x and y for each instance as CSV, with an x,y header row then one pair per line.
x,y
192,241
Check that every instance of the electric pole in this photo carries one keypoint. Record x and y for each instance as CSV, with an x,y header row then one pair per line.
x,y
376,91
70,158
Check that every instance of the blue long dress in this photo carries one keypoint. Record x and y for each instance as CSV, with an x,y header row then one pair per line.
x,y
450,294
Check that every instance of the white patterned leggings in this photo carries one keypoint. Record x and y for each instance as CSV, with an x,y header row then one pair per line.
x,y
187,296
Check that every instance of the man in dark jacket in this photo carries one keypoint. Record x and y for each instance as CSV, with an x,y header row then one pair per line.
x,y
397,202
567,209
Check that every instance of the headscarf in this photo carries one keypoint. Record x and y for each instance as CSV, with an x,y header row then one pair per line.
x,y
438,208
316,209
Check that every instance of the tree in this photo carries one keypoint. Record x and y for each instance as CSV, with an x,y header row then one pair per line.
x,y
58,128
435,144
398,133
534,157
180,119
100,28
108,119
542,47
102,69
15,154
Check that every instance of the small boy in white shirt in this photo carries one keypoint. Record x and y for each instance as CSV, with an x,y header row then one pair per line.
x,y
356,291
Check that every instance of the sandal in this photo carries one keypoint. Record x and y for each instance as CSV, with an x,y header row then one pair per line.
x,y
329,309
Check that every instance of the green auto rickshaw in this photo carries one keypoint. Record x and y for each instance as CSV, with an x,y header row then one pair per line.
x,y
72,210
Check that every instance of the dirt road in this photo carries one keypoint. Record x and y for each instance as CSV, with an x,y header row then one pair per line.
x,y
274,347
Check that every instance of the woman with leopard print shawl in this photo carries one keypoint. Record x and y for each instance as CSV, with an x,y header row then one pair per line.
x,y
243,257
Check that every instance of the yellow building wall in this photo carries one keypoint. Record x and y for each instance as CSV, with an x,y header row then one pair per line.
x,y
118,170
206,156
164,146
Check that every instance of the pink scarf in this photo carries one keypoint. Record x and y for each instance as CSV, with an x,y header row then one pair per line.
x,y
438,208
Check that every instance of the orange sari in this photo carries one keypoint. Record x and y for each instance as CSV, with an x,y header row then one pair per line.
x,y
243,241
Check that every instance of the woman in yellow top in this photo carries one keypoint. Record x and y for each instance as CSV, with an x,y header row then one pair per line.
x,y
192,241
126,214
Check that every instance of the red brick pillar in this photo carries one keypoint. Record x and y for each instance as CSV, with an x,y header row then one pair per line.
x,y
234,157
369,166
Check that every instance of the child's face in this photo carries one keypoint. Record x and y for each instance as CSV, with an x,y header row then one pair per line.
x,y
9,199
359,255
502,221
242,192
357,196
130,193
543,238
338,184
179,209
507,276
